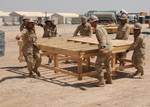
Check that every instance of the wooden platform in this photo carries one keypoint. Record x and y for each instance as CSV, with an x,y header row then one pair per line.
x,y
78,49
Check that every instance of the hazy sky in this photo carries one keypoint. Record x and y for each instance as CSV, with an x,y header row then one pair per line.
x,y
79,6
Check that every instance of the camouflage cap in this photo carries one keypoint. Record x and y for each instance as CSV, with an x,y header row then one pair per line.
x,y
137,26
25,18
48,20
93,18
84,17
30,22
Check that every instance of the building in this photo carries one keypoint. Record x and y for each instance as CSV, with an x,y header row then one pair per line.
x,y
18,15
64,18
3,17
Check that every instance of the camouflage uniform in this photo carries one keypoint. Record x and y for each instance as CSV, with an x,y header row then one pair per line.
x,y
122,34
22,27
31,51
53,30
50,31
23,23
84,30
103,58
138,56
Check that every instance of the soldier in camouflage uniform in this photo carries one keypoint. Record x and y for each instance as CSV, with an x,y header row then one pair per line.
x,y
53,29
104,53
138,56
50,29
30,49
84,29
122,34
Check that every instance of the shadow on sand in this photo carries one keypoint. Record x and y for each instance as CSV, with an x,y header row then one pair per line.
x,y
62,80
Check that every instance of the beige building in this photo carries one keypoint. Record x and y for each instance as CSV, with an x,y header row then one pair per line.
x,y
4,16
64,18
18,15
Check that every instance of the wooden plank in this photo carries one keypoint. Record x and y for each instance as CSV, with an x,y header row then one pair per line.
x,y
113,61
80,69
90,74
46,66
55,62
93,40
69,46
66,72
118,45
54,50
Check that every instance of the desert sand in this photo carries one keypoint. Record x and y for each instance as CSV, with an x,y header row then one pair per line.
x,y
60,90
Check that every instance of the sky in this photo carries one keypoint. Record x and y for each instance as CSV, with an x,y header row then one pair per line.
x,y
78,6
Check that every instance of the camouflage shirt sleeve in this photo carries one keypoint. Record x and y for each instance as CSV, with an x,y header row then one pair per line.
x,y
76,31
21,27
90,30
54,30
135,44
23,32
99,37
127,32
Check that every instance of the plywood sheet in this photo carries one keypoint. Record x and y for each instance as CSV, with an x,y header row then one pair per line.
x,y
93,40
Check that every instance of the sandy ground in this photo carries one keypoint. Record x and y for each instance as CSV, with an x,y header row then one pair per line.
x,y
60,90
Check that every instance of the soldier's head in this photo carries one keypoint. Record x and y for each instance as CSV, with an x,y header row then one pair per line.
x,y
48,22
83,19
30,25
93,21
123,19
25,20
137,29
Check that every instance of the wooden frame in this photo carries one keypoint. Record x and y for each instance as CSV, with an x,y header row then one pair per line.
x,y
77,49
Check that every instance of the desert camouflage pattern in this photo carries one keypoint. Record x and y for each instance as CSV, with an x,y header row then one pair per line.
x,y
31,51
138,56
122,34
83,30
103,58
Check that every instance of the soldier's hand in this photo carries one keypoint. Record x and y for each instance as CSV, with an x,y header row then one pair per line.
x,y
127,51
104,51
17,37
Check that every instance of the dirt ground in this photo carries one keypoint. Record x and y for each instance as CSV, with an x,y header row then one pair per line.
x,y
60,90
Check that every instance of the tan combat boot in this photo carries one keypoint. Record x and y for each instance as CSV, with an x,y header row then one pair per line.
x,y
37,72
101,82
108,79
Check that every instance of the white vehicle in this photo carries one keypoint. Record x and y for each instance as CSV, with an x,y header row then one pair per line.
x,y
132,18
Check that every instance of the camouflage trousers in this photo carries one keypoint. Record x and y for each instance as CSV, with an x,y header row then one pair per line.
x,y
138,62
103,62
33,59
120,57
